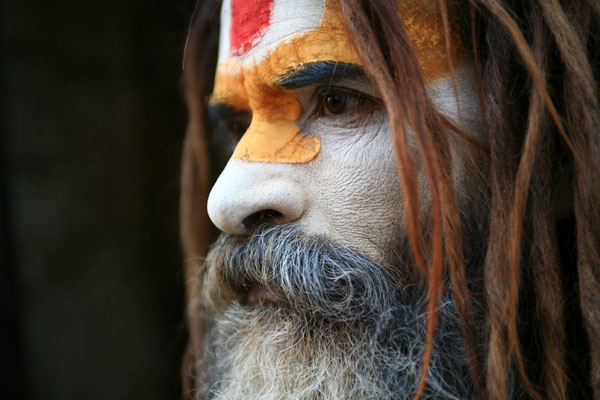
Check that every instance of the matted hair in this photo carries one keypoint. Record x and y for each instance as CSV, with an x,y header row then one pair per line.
x,y
537,64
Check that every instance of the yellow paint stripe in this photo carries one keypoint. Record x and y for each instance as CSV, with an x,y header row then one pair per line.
x,y
273,135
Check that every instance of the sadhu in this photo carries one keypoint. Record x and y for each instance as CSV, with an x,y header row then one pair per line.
x,y
408,196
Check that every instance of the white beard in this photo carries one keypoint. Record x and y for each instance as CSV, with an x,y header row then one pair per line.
x,y
268,353
343,330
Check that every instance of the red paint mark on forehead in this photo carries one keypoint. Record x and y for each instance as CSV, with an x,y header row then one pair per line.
x,y
249,21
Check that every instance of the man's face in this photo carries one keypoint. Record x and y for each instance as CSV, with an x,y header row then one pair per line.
x,y
311,204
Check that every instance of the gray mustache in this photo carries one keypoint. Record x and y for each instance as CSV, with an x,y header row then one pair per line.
x,y
311,275
328,289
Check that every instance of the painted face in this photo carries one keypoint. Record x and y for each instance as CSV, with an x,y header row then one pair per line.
x,y
307,306
316,147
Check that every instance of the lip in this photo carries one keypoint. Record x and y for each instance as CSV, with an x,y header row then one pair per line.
x,y
260,294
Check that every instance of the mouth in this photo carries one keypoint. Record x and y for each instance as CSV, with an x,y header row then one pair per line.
x,y
280,267
254,294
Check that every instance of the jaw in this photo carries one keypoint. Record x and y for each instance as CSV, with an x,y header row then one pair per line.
x,y
329,339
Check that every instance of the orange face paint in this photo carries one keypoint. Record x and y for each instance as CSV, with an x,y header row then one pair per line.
x,y
260,54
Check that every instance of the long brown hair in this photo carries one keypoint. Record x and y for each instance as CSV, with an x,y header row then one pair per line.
x,y
537,67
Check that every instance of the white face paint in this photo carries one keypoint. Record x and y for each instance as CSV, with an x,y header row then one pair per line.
x,y
288,19
350,192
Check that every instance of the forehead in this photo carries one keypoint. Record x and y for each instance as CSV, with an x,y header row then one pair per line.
x,y
270,38
297,32
251,29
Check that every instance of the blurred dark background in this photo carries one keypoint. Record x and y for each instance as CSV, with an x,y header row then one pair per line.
x,y
92,121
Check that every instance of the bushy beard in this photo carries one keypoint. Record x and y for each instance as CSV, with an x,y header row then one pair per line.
x,y
343,328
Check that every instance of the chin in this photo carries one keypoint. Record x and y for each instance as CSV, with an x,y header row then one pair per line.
x,y
288,316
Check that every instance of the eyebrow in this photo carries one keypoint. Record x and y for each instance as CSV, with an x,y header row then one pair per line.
x,y
320,72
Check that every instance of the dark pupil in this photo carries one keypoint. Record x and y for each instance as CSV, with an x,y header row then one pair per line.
x,y
335,103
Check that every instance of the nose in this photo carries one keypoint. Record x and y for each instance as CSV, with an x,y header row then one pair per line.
x,y
248,194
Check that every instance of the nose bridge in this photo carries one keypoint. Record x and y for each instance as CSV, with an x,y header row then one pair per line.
x,y
273,140
245,189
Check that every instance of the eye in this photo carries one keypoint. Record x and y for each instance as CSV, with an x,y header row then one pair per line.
x,y
227,126
332,102
336,103
238,128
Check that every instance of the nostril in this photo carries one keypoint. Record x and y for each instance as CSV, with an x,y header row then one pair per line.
x,y
258,218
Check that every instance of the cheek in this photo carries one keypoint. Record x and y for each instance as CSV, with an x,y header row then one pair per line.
x,y
355,189
469,164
